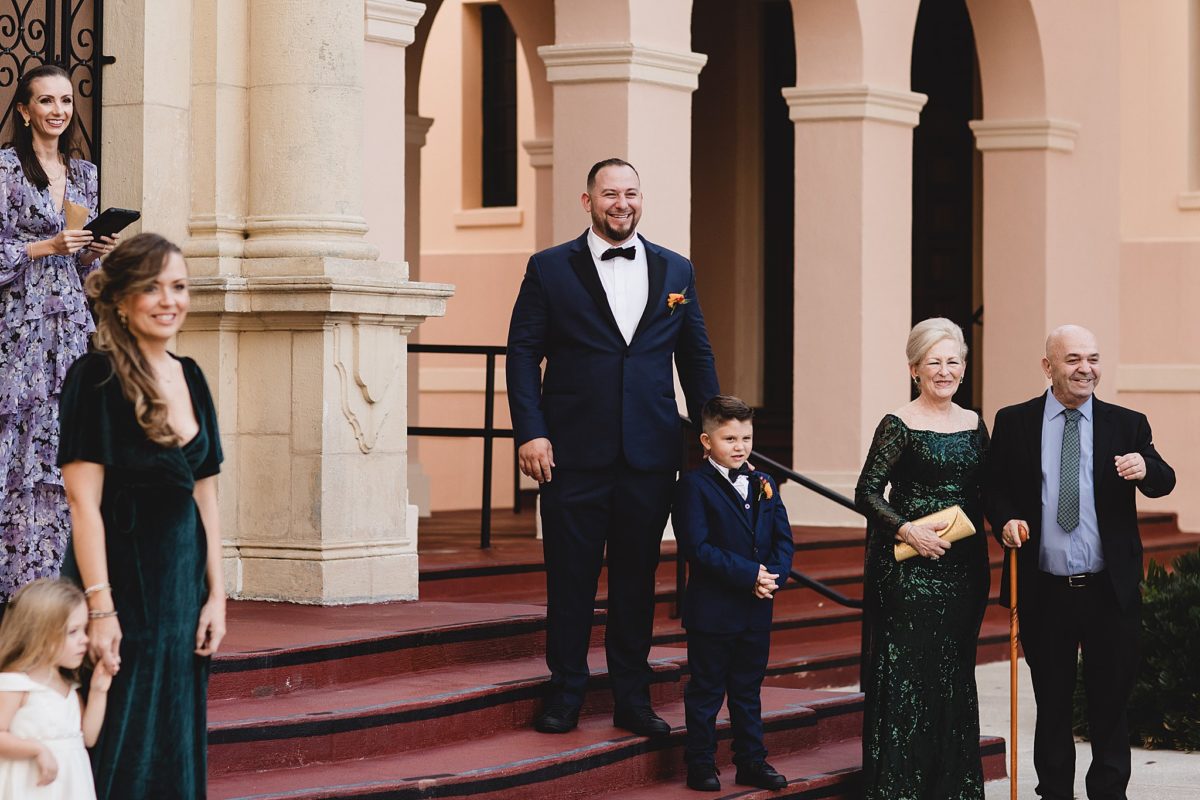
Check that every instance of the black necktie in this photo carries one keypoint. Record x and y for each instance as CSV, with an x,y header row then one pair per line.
x,y
735,473
619,252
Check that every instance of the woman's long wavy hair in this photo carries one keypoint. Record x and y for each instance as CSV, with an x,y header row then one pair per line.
x,y
132,267
35,624
22,135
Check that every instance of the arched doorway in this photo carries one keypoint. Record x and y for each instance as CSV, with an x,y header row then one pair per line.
x,y
743,221
946,254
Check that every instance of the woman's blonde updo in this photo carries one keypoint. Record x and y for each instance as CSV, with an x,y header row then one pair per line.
x,y
928,332
131,267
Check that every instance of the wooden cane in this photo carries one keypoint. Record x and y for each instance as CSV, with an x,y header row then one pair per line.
x,y
1013,629
1012,670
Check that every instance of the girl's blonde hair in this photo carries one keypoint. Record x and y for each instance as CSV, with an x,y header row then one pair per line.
x,y
35,624
131,267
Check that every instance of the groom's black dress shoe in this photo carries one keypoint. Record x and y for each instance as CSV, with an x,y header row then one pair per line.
x,y
642,721
760,774
703,778
557,718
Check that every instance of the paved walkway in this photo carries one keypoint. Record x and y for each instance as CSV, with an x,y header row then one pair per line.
x,y
1157,774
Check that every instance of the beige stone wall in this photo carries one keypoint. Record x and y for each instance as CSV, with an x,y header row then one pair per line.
x,y
1088,201
289,178
1159,370
481,251
238,129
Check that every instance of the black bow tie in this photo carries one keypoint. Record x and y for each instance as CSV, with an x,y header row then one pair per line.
x,y
619,252
734,474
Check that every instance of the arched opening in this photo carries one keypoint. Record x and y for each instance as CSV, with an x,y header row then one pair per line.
x,y
947,278
743,222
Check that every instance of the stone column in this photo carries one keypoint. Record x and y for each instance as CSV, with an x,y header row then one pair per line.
x,y
306,132
220,145
147,97
416,131
307,340
541,158
1018,279
623,82
853,281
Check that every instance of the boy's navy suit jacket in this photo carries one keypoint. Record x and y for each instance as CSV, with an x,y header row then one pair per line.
x,y
724,544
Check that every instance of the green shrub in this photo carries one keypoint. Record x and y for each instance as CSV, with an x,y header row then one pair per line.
x,y
1164,711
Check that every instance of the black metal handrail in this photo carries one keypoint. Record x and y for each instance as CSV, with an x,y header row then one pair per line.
x,y
489,432
799,577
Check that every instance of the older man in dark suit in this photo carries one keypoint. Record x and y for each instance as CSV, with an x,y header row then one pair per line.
x,y
608,313
1063,467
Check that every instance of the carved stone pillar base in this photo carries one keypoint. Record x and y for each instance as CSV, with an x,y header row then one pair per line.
x,y
309,370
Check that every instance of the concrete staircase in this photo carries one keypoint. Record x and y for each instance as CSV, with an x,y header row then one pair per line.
x,y
435,699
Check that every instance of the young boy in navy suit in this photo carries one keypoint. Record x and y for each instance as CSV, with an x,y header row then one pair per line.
x,y
734,531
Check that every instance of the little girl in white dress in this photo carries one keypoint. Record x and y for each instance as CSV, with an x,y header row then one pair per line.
x,y
44,727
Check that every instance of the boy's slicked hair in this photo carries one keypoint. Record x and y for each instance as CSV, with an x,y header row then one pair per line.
x,y
722,409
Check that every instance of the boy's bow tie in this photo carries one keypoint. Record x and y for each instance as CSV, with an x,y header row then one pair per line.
x,y
735,473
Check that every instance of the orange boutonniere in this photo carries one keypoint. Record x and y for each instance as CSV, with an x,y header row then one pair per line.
x,y
676,299
765,492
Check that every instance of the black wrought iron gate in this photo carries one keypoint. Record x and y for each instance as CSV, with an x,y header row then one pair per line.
x,y
62,32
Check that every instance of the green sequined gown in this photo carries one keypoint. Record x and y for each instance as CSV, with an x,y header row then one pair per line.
x,y
921,618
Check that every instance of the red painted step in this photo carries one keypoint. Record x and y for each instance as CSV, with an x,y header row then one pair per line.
x,y
388,715
594,758
829,771
278,648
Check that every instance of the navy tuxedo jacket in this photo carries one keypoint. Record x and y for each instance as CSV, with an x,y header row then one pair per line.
x,y
1014,491
601,398
724,544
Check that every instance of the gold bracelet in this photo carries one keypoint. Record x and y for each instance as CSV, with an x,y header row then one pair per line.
x,y
101,614
99,587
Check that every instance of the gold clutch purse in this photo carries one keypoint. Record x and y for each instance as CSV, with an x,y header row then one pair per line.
x,y
958,527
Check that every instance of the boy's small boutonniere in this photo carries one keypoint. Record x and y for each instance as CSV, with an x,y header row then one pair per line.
x,y
676,299
765,492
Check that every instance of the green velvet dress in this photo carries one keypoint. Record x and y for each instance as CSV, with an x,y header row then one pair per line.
x,y
153,744
921,618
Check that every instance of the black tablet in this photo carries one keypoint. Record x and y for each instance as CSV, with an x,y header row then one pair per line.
x,y
112,220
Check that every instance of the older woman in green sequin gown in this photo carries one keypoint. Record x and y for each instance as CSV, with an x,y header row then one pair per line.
x,y
921,617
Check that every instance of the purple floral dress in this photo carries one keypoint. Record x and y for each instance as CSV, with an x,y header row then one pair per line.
x,y
44,327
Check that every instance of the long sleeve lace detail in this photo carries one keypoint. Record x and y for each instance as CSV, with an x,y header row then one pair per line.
x,y
886,447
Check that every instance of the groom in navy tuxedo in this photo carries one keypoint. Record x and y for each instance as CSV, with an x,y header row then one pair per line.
x,y
607,313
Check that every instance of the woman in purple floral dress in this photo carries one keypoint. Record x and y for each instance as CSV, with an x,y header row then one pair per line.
x,y
44,320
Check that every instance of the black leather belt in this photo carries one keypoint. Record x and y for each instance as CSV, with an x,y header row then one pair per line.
x,y
1081,580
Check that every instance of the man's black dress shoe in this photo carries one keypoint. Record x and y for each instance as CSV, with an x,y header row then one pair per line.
x,y
703,778
760,774
642,721
557,718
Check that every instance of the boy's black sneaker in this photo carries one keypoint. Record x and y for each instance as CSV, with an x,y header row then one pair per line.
x,y
760,774
703,778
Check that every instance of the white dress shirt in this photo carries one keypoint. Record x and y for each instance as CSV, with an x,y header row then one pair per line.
x,y
626,283
742,484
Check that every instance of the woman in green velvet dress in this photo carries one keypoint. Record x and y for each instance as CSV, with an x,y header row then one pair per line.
x,y
140,452
921,617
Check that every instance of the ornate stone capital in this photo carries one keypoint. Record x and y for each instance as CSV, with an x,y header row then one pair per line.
x,y
1025,134
416,129
541,152
819,104
622,62
393,21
